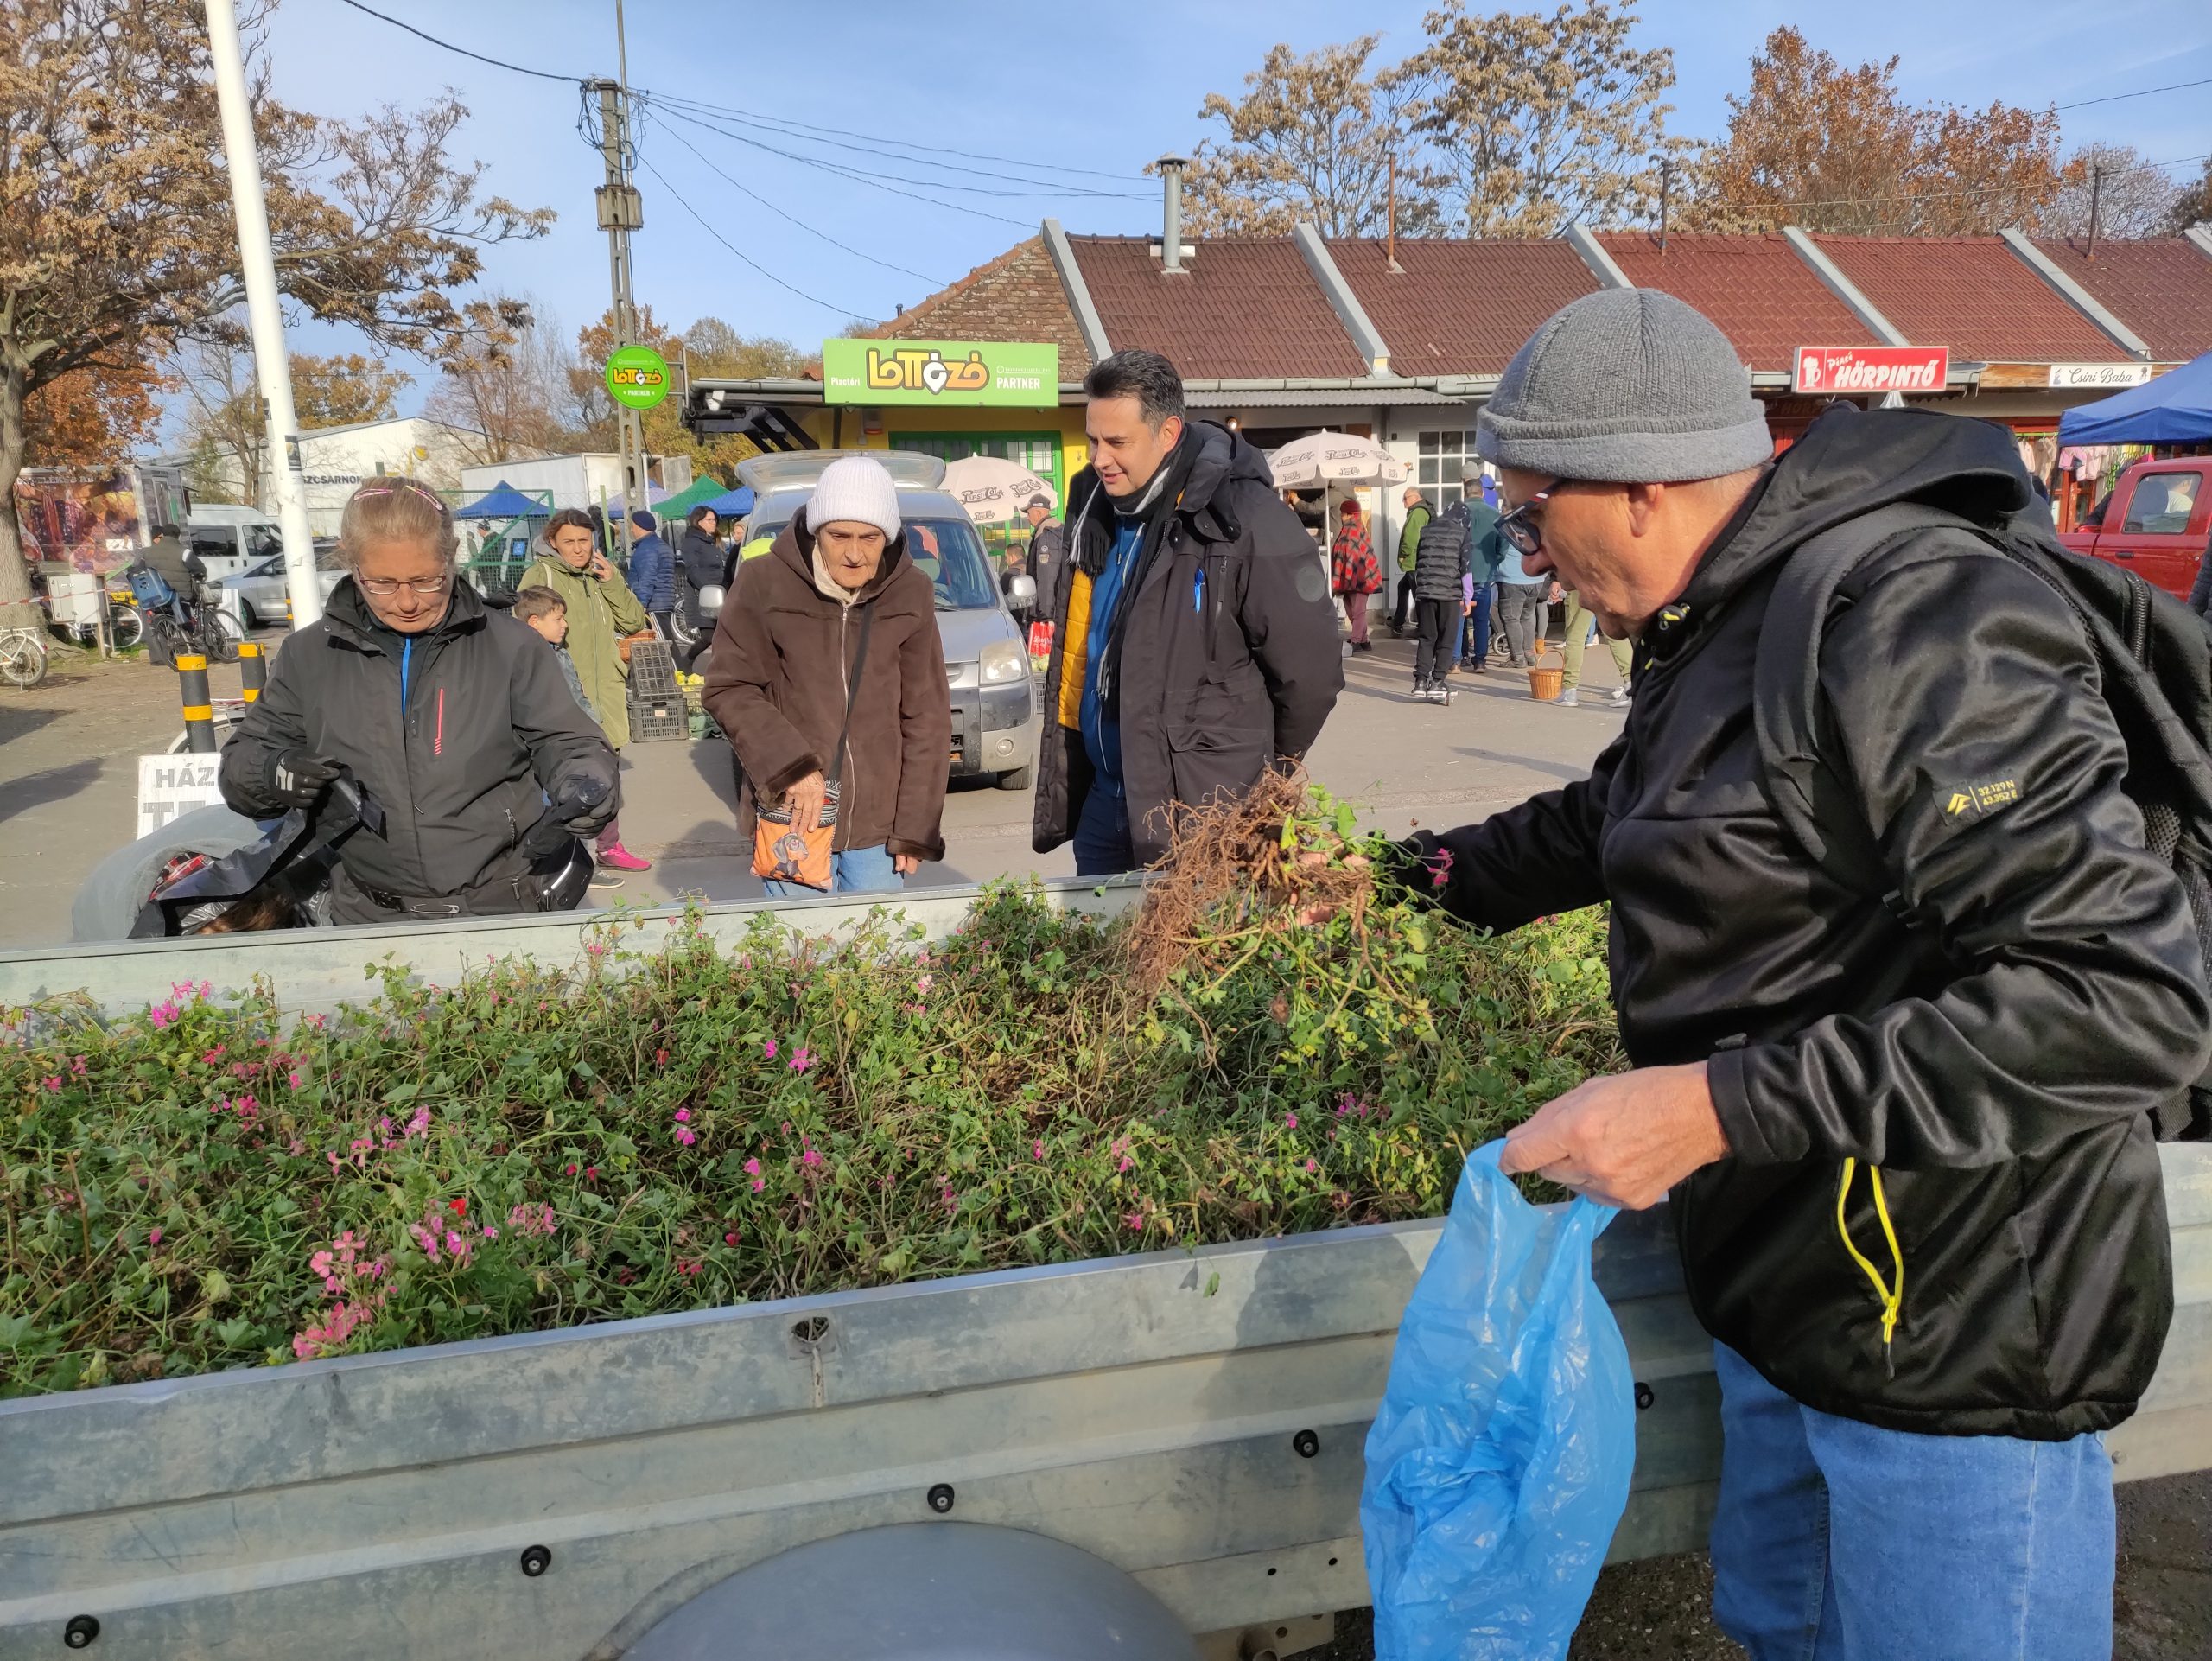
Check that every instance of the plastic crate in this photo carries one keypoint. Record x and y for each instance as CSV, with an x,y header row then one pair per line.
x,y
653,719
653,671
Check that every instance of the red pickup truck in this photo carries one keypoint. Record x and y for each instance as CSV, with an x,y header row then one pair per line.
x,y
2157,521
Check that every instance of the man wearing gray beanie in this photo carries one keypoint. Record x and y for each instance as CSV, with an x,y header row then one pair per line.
x,y
1897,1039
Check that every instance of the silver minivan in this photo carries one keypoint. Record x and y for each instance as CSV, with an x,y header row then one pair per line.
x,y
985,647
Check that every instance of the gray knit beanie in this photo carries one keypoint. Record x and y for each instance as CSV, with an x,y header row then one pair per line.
x,y
1625,386
855,487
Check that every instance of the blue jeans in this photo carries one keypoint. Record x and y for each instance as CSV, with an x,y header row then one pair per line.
x,y
857,870
1837,1541
1102,847
1477,629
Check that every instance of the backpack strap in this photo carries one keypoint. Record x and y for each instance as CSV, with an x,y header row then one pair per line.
x,y
1809,798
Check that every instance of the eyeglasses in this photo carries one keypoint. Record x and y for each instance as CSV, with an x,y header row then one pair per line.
x,y
1519,526
384,587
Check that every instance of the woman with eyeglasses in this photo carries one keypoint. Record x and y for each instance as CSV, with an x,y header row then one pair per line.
x,y
452,722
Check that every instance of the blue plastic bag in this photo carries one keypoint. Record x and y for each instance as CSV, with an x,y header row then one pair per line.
x,y
1499,1462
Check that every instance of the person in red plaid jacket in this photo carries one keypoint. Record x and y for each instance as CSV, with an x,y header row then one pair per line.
x,y
1354,574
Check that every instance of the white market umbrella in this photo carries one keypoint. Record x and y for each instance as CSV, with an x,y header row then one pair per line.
x,y
1333,458
995,490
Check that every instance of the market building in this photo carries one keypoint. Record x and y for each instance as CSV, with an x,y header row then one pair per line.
x,y
1402,340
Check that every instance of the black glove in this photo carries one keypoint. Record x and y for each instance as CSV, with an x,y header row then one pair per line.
x,y
582,805
298,778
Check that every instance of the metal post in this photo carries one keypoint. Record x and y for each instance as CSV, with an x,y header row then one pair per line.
x,y
2096,190
198,710
1666,187
1170,229
1390,225
265,321
619,212
253,670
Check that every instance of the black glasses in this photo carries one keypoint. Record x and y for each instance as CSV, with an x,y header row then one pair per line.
x,y
1518,527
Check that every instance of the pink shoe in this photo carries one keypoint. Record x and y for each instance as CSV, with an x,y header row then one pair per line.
x,y
615,856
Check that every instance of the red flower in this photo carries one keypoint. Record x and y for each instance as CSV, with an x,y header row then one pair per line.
x,y
458,1208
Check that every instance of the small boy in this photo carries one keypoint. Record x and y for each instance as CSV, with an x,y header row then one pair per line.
x,y
548,614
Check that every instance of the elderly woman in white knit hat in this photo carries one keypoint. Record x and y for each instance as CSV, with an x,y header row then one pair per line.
x,y
828,676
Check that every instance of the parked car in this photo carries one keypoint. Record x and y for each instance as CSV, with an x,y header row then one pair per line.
x,y
263,598
986,650
227,539
2157,521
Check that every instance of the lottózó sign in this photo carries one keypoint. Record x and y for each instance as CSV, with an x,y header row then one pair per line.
x,y
637,377
1855,371
1020,374
2099,377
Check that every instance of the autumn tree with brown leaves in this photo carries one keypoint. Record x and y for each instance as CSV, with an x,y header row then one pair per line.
x,y
118,240
2115,185
223,420
1840,151
1313,138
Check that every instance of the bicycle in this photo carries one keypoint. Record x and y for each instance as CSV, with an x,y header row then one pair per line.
x,y
177,628
22,657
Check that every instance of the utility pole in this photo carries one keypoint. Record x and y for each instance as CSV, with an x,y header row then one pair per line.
x,y
1666,189
621,212
265,317
2096,190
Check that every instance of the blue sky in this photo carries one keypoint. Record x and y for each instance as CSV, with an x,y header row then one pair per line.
x,y
1058,85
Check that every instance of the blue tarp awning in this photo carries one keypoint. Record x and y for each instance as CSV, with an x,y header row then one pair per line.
x,y
2175,408
504,502
735,501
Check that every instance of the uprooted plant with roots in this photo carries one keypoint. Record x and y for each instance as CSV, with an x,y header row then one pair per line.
x,y
1278,1040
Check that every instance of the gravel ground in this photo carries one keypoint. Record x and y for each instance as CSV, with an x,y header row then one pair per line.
x,y
2162,1603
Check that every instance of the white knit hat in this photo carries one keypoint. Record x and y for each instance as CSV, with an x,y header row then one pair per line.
x,y
854,487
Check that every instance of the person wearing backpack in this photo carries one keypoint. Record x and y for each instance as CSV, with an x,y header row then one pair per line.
x,y
1904,977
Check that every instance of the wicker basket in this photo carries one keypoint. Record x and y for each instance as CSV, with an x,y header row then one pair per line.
x,y
1546,681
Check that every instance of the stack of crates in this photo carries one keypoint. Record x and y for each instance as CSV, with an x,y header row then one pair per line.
x,y
657,707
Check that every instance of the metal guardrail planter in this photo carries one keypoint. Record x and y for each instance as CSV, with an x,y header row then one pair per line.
x,y
1196,1419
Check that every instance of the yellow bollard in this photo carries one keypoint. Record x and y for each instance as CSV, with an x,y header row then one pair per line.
x,y
199,711
253,670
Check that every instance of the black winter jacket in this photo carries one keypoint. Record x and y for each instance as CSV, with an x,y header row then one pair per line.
x,y
1996,1056
490,730
1441,564
1212,694
702,563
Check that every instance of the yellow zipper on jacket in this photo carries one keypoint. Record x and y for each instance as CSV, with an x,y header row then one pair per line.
x,y
1891,1293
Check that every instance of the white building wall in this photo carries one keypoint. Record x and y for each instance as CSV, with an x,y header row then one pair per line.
x,y
336,462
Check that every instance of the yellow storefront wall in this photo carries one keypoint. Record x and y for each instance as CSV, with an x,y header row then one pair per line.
x,y
847,427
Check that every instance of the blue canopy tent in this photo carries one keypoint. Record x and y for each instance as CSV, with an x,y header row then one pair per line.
x,y
504,502
734,503
2175,408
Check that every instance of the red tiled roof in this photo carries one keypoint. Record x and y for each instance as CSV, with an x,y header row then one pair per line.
x,y
1241,310
2160,288
1017,296
1459,308
1970,294
1766,300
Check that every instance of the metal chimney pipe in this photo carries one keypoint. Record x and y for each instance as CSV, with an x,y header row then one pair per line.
x,y
1171,236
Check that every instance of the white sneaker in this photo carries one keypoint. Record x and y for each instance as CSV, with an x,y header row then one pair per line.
x,y
1620,695
1570,699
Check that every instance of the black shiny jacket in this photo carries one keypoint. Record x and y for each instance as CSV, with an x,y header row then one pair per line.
x,y
1995,1051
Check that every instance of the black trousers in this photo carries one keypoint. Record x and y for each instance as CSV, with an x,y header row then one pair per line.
x,y
1434,621
1400,611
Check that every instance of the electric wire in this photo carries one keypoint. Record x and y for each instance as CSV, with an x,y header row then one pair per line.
x,y
2145,91
736,183
843,311
497,63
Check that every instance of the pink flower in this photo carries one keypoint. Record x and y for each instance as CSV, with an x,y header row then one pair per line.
x,y
683,1116
293,1080
768,1050
591,1172
571,1171
802,1059
1290,1121
1135,1220
76,1066
686,1135
53,1082
753,1167
811,1156
758,1185
154,1239
924,984
1312,1166
688,1268
730,1238
213,1056
1037,1149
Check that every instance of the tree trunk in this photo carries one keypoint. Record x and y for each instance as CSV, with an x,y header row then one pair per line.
x,y
17,608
